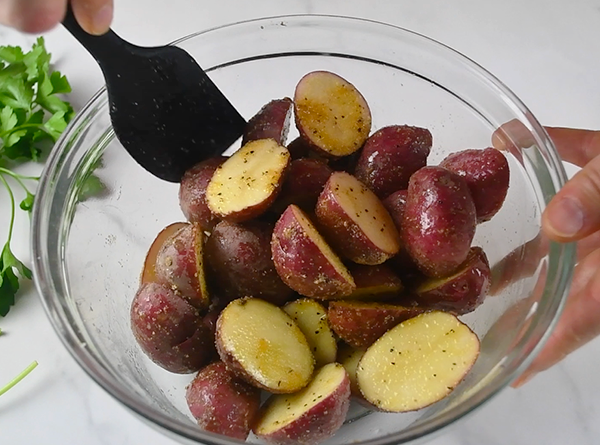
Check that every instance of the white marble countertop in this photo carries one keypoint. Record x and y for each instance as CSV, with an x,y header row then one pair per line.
x,y
546,51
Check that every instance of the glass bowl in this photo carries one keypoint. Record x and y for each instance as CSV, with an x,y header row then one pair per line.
x,y
89,251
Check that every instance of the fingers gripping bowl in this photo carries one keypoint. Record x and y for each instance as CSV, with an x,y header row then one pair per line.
x,y
88,253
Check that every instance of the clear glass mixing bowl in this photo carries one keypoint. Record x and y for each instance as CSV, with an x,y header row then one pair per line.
x,y
89,253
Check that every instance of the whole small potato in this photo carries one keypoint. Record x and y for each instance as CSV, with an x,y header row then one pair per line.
x,y
192,192
303,184
390,156
487,175
169,330
221,403
439,221
395,204
239,258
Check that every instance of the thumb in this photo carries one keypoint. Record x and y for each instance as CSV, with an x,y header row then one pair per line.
x,y
574,212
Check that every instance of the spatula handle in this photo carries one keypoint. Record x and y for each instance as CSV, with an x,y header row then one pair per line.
x,y
105,48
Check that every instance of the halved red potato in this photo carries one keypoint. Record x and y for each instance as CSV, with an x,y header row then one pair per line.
x,y
304,261
221,403
390,156
149,271
331,114
439,221
298,148
311,318
349,358
169,330
417,363
238,256
192,192
262,345
487,175
245,185
377,282
361,323
464,290
271,122
355,221
309,416
180,265
303,184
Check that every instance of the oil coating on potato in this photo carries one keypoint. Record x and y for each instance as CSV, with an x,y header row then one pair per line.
x,y
463,291
439,221
417,363
180,265
361,323
487,175
245,185
238,256
262,345
192,192
221,403
149,271
271,122
169,330
355,221
331,114
309,416
390,156
304,261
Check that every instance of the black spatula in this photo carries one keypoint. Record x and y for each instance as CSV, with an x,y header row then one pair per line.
x,y
165,110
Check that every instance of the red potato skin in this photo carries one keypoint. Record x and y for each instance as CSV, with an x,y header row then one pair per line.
x,y
239,259
221,403
346,237
464,293
177,265
298,148
149,271
439,221
300,263
317,424
390,156
487,175
192,193
360,324
395,205
169,330
380,277
271,122
303,184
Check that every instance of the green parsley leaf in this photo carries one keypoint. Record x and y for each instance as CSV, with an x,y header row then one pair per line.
x,y
27,203
92,186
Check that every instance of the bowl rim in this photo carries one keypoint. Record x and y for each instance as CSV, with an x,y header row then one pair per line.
x,y
173,428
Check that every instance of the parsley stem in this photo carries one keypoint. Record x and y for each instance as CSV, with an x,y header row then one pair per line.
x,y
24,127
12,211
18,378
17,177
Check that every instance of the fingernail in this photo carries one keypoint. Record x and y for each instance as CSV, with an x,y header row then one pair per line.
x,y
523,379
566,217
102,19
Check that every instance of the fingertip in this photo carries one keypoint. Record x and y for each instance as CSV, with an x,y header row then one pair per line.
x,y
34,17
94,16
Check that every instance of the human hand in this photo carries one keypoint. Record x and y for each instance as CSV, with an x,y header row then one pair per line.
x,y
37,16
574,215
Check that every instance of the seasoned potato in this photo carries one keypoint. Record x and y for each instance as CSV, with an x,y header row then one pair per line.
x,y
462,291
245,185
303,184
331,115
361,323
271,122
390,156
192,192
311,318
221,403
298,148
417,363
395,205
439,221
239,259
180,265
349,358
304,261
374,282
169,330
149,271
309,416
487,175
355,221
262,345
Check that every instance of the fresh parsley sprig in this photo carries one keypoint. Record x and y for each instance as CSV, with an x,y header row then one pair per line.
x,y
32,117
